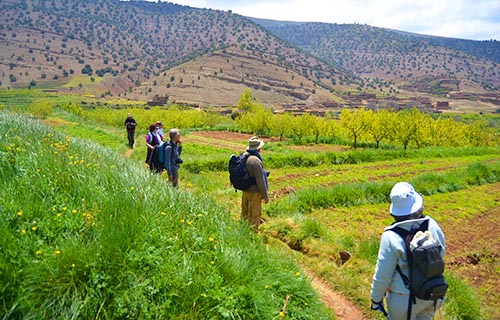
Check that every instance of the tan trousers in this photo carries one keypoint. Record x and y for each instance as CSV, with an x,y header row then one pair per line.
x,y
251,207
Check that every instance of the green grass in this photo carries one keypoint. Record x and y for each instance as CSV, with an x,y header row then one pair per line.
x,y
338,202
89,234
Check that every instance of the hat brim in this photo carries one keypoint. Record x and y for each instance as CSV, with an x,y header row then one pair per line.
x,y
261,144
407,210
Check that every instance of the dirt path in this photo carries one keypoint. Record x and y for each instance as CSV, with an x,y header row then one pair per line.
x,y
128,153
335,301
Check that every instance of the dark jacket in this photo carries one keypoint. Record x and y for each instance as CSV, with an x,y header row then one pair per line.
x,y
130,124
172,157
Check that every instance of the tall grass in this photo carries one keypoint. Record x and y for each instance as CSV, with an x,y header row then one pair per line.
x,y
360,193
87,234
461,301
281,158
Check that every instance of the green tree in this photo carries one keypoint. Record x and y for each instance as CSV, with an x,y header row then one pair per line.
x,y
211,118
247,101
478,133
281,124
87,69
301,126
317,126
356,122
258,121
406,127
379,126
446,132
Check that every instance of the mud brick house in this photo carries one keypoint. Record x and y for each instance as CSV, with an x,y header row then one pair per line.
x,y
443,105
158,101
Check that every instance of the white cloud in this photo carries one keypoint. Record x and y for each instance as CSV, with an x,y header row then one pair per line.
x,y
469,19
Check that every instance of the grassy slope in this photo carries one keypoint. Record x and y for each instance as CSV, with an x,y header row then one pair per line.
x,y
89,234
320,234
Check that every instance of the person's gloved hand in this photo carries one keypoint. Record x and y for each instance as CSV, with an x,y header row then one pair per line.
x,y
379,307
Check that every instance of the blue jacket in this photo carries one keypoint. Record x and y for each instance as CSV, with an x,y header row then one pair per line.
x,y
172,154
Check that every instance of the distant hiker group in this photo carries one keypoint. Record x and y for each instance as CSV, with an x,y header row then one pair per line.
x,y
164,156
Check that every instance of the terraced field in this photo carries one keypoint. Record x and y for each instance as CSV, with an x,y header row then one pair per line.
x,y
319,237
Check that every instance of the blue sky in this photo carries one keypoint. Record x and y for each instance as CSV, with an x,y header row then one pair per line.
x,y
466,19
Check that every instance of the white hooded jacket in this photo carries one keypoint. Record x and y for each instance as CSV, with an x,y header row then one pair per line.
x,y
392,252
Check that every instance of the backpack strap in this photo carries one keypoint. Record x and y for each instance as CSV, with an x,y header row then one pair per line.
x,y
404,234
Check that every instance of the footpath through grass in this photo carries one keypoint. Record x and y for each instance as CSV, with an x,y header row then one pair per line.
x,y
324,203
88,234
322,209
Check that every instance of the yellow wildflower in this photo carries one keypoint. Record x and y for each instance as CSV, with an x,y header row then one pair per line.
x,y
74,211
20,213
182,221
211,239
34,228
38,252
163,213
57,251
23,231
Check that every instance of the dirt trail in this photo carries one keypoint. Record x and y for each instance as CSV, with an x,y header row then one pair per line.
x,y
128,153
335,301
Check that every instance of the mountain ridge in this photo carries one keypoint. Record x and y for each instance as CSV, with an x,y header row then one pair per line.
x,y
139,49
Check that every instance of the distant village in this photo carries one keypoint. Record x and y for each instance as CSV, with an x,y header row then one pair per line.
x,y
365,100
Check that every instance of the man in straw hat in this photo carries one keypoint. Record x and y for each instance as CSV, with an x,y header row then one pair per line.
x,y
407,210
251,200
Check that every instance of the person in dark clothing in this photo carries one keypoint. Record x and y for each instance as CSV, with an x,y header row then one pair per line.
x,y
173,150
130,124
152,142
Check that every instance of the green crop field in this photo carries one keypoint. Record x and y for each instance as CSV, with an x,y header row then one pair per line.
x,y
90,233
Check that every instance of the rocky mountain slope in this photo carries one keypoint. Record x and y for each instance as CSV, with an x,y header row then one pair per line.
x,y
138,49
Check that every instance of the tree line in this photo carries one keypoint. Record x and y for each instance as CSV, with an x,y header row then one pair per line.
x,y
406,128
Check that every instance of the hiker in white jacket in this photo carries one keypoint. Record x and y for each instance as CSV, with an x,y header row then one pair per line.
x,y
406,208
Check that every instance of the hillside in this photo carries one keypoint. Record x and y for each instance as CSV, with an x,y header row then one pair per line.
x,y
48,43
385,58
203,57
220,77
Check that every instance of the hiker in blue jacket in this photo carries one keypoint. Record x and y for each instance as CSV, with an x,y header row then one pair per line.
x,y
407,210
172,151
